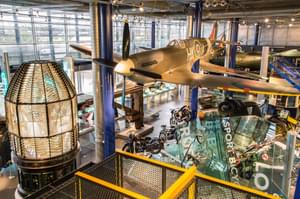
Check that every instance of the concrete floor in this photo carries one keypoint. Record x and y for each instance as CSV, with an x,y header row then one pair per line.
x,y
162,104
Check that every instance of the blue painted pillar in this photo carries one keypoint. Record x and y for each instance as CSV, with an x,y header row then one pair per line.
x,y
233,39
256,35
106,53
297,191
153,34
195,67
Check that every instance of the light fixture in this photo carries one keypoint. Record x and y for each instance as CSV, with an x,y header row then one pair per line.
x,y
290,25
114,17
255,24
268,26
41,107
243,22
267,20
293,19
215,3
141,7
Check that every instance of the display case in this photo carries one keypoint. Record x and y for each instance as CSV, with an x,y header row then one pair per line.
x,y
247,150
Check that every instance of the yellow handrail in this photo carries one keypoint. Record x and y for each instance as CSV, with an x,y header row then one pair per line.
x,y
176,189
199,175
258,92
292,120
151,161
110,186
235,186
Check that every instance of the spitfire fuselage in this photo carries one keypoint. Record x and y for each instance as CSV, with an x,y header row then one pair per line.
x,y
178,53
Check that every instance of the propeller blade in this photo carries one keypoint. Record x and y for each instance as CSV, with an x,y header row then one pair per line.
x,y
126,41
146,73
81,48
105,63
145,48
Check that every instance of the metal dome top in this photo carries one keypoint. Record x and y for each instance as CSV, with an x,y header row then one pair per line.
x,y
39,82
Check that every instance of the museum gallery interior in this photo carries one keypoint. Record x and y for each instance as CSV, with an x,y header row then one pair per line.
x,y
149,99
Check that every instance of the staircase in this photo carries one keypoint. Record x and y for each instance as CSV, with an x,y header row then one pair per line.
x,y
288,71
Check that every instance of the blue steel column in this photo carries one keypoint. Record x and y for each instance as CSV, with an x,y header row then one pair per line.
x,y
233,39
195,67
106,53
297,191
257,27
153,34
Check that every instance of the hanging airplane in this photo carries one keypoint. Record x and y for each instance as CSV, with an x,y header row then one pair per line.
x,y
245,60
252,60
173,64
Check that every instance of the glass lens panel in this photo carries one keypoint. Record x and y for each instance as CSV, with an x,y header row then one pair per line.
x,y
67,142
12,118
60,118
33,121
56,145
42,148
28,148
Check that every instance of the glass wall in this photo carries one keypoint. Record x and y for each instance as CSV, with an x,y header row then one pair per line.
x,y
28,34
140,32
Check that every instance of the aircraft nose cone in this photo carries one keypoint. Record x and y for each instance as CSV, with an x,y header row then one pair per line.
x,y
124,66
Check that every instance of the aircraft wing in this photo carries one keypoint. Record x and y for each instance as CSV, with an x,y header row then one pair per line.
x,y
88,51
183,76
222,70
289,53
82,49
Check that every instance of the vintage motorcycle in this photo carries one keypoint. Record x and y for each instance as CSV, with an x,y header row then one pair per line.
x,y
233,107
169,133
140,145
181,116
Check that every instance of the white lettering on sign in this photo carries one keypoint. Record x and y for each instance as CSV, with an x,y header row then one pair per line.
x,y
233,171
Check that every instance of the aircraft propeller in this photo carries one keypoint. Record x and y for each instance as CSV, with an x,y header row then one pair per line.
x,y
125,55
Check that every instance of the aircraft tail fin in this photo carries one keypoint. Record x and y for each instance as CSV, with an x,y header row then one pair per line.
x,y
214,32
221,44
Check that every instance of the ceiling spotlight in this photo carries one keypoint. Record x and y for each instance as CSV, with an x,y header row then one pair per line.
x,y
268,26
293,19
114,2
141,7
243,22
267,20
114,17
290,25
255,24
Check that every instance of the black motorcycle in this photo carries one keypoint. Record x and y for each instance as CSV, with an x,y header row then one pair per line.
x,y
140,145
234,107
168,134
181,117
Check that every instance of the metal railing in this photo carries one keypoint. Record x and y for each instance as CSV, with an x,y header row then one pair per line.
x,y
140,177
